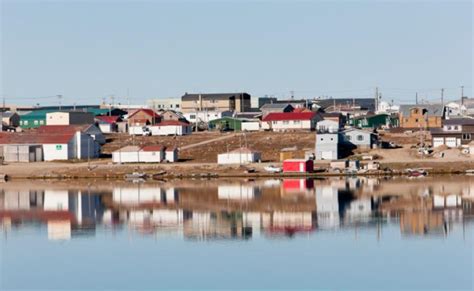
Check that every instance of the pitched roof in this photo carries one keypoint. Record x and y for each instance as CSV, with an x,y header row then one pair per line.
x,y
54,129
270,106
432,109
108,119
275,116
35,138
150,112
459,121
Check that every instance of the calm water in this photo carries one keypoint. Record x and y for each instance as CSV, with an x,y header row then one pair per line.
x,y
343,233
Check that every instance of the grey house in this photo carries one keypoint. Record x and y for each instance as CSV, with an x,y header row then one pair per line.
x,y
276,107
359,138
327,146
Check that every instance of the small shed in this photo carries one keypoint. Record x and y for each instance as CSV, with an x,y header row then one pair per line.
x,y
128,154
152,154
171,154
239,156
298,166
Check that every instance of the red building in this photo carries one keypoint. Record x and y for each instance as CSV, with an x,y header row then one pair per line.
x,y
298,166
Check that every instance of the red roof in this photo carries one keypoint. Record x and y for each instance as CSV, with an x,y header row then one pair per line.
x,y
55,129
150,112
36,138
172,122
152,148
108,119
276,116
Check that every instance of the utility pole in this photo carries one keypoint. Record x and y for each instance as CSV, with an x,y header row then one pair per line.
x,y
4,109
376,98
59,98
112,98
416,98
462,96
442,96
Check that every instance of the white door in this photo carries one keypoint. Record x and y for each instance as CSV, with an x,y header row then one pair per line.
x,y
451,142
438,141
326,155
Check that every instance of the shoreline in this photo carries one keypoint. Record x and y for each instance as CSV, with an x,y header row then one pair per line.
x,y
107,171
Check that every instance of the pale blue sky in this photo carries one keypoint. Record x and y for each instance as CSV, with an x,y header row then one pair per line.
x,y
87,50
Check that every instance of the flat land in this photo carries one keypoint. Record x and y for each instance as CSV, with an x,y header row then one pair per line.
x,y
198,155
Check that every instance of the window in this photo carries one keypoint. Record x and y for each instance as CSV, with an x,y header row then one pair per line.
x,y
177,105
41,121
416,120
360,137
466,136
274,122
192,116
35,122
25,122
286,122
449,127
455,127
349,137
296,122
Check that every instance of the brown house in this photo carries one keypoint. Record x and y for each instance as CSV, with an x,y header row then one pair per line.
x,y
421,116
238,102
142,117
454,133
172,115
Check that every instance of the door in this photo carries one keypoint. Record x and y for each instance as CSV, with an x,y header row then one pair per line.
x,y
326,155
451,142
438,141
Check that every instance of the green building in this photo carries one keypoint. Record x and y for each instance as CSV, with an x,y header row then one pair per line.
x,y
34,118
226,123
374,121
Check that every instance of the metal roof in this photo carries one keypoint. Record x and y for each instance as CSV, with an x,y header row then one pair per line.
x,y
275,116
432,109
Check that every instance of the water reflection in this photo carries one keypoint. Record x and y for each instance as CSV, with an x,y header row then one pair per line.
x,y
240,210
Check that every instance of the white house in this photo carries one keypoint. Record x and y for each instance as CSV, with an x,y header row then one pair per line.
x,y
69,118
108,124
57,146
89,129
327,207
237,192
206,116
135,154
171,127
328,126
281,121
251,125
171,154
239,156
360,138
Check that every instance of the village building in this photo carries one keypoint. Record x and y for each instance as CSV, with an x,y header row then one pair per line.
x,y
375,121
227,123
10,119
421,116
298,166
251,125
165,104
359,138
354,106
276,107
108,124
143,117
69,118
455,132
291,121
328,126
172,115
171,127
327,146
145,154
171,154
67,145
34,119
239,102
239,156
206,116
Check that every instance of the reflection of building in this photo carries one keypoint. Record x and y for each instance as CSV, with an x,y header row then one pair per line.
x,y
238,192
360,208
422,223
297,185
144,195
221,225
327,206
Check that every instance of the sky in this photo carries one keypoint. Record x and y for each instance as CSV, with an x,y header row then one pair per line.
x,y
90,50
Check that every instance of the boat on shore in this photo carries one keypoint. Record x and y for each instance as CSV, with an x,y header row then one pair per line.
x,y
135,175
416,172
